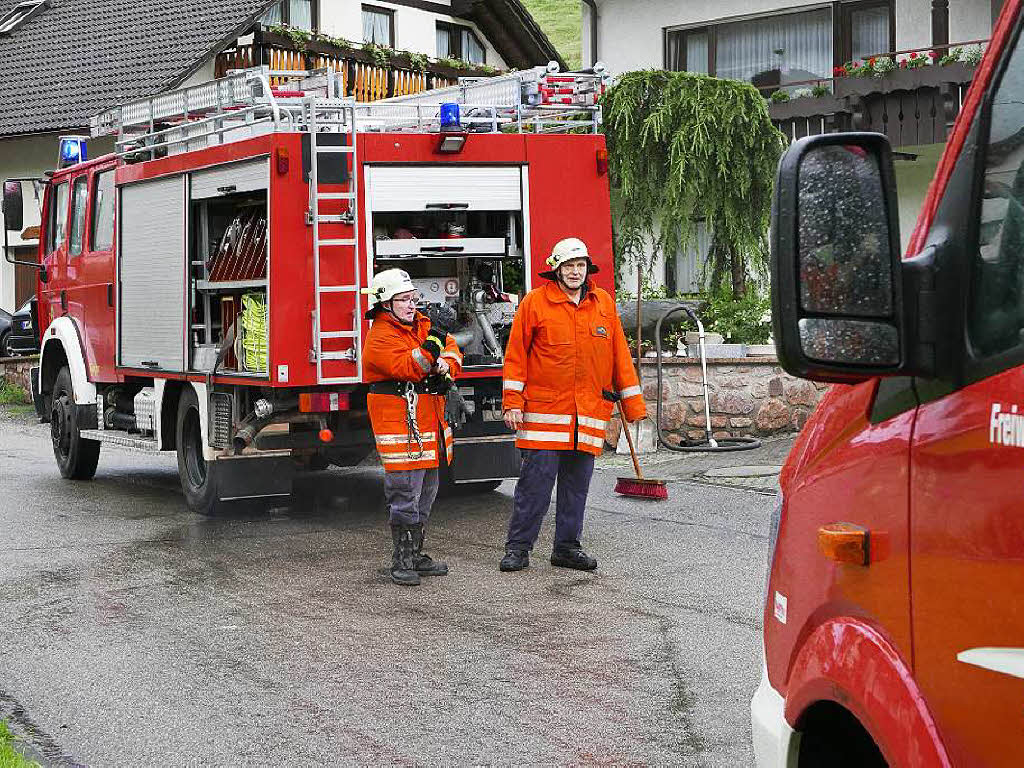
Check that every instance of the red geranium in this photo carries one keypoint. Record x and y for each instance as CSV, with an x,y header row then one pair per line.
x,y
913,55
933,54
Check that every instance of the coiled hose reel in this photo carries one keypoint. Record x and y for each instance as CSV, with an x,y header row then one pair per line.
x,y
720,445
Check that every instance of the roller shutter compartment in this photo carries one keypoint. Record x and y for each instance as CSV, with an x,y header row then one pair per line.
x,y
446,187
152,274
246,176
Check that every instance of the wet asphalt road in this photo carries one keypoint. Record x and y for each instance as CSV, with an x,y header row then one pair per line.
x,y
132,633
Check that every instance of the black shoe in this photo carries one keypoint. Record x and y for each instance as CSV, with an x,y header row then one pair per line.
x,y
403,568
515,560
425,564
576,559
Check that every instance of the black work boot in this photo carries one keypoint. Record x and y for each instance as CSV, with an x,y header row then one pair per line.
x,y
574,558
403,570
425,564
515,560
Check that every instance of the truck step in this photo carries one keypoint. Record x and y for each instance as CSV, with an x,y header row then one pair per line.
x,y
116,437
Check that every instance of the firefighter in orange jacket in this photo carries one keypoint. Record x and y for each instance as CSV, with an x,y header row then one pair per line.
x,y
567,362
409,366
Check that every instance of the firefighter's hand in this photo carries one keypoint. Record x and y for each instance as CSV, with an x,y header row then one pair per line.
x,y
442,365
514,418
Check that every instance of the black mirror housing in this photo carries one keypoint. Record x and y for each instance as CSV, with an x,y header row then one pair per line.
x,y
837,298
13,207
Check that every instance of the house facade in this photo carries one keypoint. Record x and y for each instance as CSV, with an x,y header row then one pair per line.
x,y
900,67
51,87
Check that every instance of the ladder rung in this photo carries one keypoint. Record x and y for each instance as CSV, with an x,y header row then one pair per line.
x,y
337,334
339,243
332,219
332,196
337,356
334,150
338,288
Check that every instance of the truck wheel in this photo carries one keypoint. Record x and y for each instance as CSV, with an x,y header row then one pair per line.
x,y
76,457
198,476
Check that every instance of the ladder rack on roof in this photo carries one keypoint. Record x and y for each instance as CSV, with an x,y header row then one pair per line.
x,y
244,104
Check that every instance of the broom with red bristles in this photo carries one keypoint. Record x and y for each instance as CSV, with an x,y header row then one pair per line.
x,y
638,487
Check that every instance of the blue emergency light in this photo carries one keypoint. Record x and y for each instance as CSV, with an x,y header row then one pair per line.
x,y
72,150
450,118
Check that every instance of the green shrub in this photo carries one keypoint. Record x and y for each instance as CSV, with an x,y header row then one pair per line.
x,y
746,320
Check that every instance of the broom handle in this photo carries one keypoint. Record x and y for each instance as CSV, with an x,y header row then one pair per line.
x,y
629,440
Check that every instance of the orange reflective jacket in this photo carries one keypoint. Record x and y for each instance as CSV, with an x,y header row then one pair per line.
x,y
561,359
392,352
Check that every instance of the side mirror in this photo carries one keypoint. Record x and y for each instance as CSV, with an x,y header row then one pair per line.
x,y
837,303
13,208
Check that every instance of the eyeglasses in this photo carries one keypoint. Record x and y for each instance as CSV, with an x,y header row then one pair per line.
x,y
406,300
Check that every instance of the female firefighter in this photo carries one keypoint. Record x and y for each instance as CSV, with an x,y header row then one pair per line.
x,y
409,366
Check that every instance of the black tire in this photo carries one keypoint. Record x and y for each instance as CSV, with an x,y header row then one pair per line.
x,y
5,349
76,457
198,476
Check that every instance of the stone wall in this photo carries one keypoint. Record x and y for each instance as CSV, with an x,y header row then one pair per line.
x,y
16,370
750,396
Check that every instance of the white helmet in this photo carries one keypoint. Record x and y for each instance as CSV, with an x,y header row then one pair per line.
x,y
567,250
386,285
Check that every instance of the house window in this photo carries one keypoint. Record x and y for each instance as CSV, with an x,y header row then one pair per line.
x,y
379,25
867,29
455,41
21,13
300,14
783,48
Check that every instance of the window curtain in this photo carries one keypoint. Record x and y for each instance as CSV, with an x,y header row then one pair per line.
x,y
777,49
444,43
687,49
472,51
377,28
869,32
300,14
274,15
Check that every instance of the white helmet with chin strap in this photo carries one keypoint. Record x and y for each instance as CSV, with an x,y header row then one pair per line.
x,y
385,286
567,250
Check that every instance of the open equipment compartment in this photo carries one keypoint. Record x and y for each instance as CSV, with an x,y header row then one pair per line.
x,y
459,233
229,246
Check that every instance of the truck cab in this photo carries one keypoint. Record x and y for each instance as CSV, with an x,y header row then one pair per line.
x,y
893,626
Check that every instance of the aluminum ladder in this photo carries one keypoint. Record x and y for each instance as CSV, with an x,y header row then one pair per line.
x,y
331,117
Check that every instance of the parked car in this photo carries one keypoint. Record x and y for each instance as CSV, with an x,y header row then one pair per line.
x,y
5,332
23,339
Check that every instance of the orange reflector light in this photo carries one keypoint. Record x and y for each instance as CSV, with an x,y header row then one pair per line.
x,y
602,162
281,160
326,435
323,402
844,543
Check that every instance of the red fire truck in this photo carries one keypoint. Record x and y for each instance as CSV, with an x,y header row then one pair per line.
x,y
893,621
199,288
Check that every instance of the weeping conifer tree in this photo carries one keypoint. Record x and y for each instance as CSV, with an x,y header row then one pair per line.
x,y
685,147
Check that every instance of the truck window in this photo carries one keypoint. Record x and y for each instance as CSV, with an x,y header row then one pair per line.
x,y
996,319
58,218
79,196
102,237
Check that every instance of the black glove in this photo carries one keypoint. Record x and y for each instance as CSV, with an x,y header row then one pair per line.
x,y
438,383
456,411
434,343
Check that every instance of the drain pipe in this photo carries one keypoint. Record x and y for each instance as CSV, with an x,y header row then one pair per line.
x,y
592,5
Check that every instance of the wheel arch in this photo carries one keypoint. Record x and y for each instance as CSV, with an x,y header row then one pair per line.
x,y
63,346
850,663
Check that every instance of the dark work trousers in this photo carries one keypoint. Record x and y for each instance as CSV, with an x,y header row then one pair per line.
x,y
573,470
410,494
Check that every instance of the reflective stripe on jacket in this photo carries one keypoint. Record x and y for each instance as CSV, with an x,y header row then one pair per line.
x,y
560,360
392,352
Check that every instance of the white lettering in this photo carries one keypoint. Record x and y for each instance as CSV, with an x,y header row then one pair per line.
x,y
1006,427
993,424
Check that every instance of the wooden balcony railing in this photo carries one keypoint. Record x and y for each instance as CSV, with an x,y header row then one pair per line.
x,y
363,76
910,105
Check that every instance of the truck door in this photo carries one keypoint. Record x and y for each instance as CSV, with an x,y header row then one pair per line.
x,y
90,291
55,254
967,515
